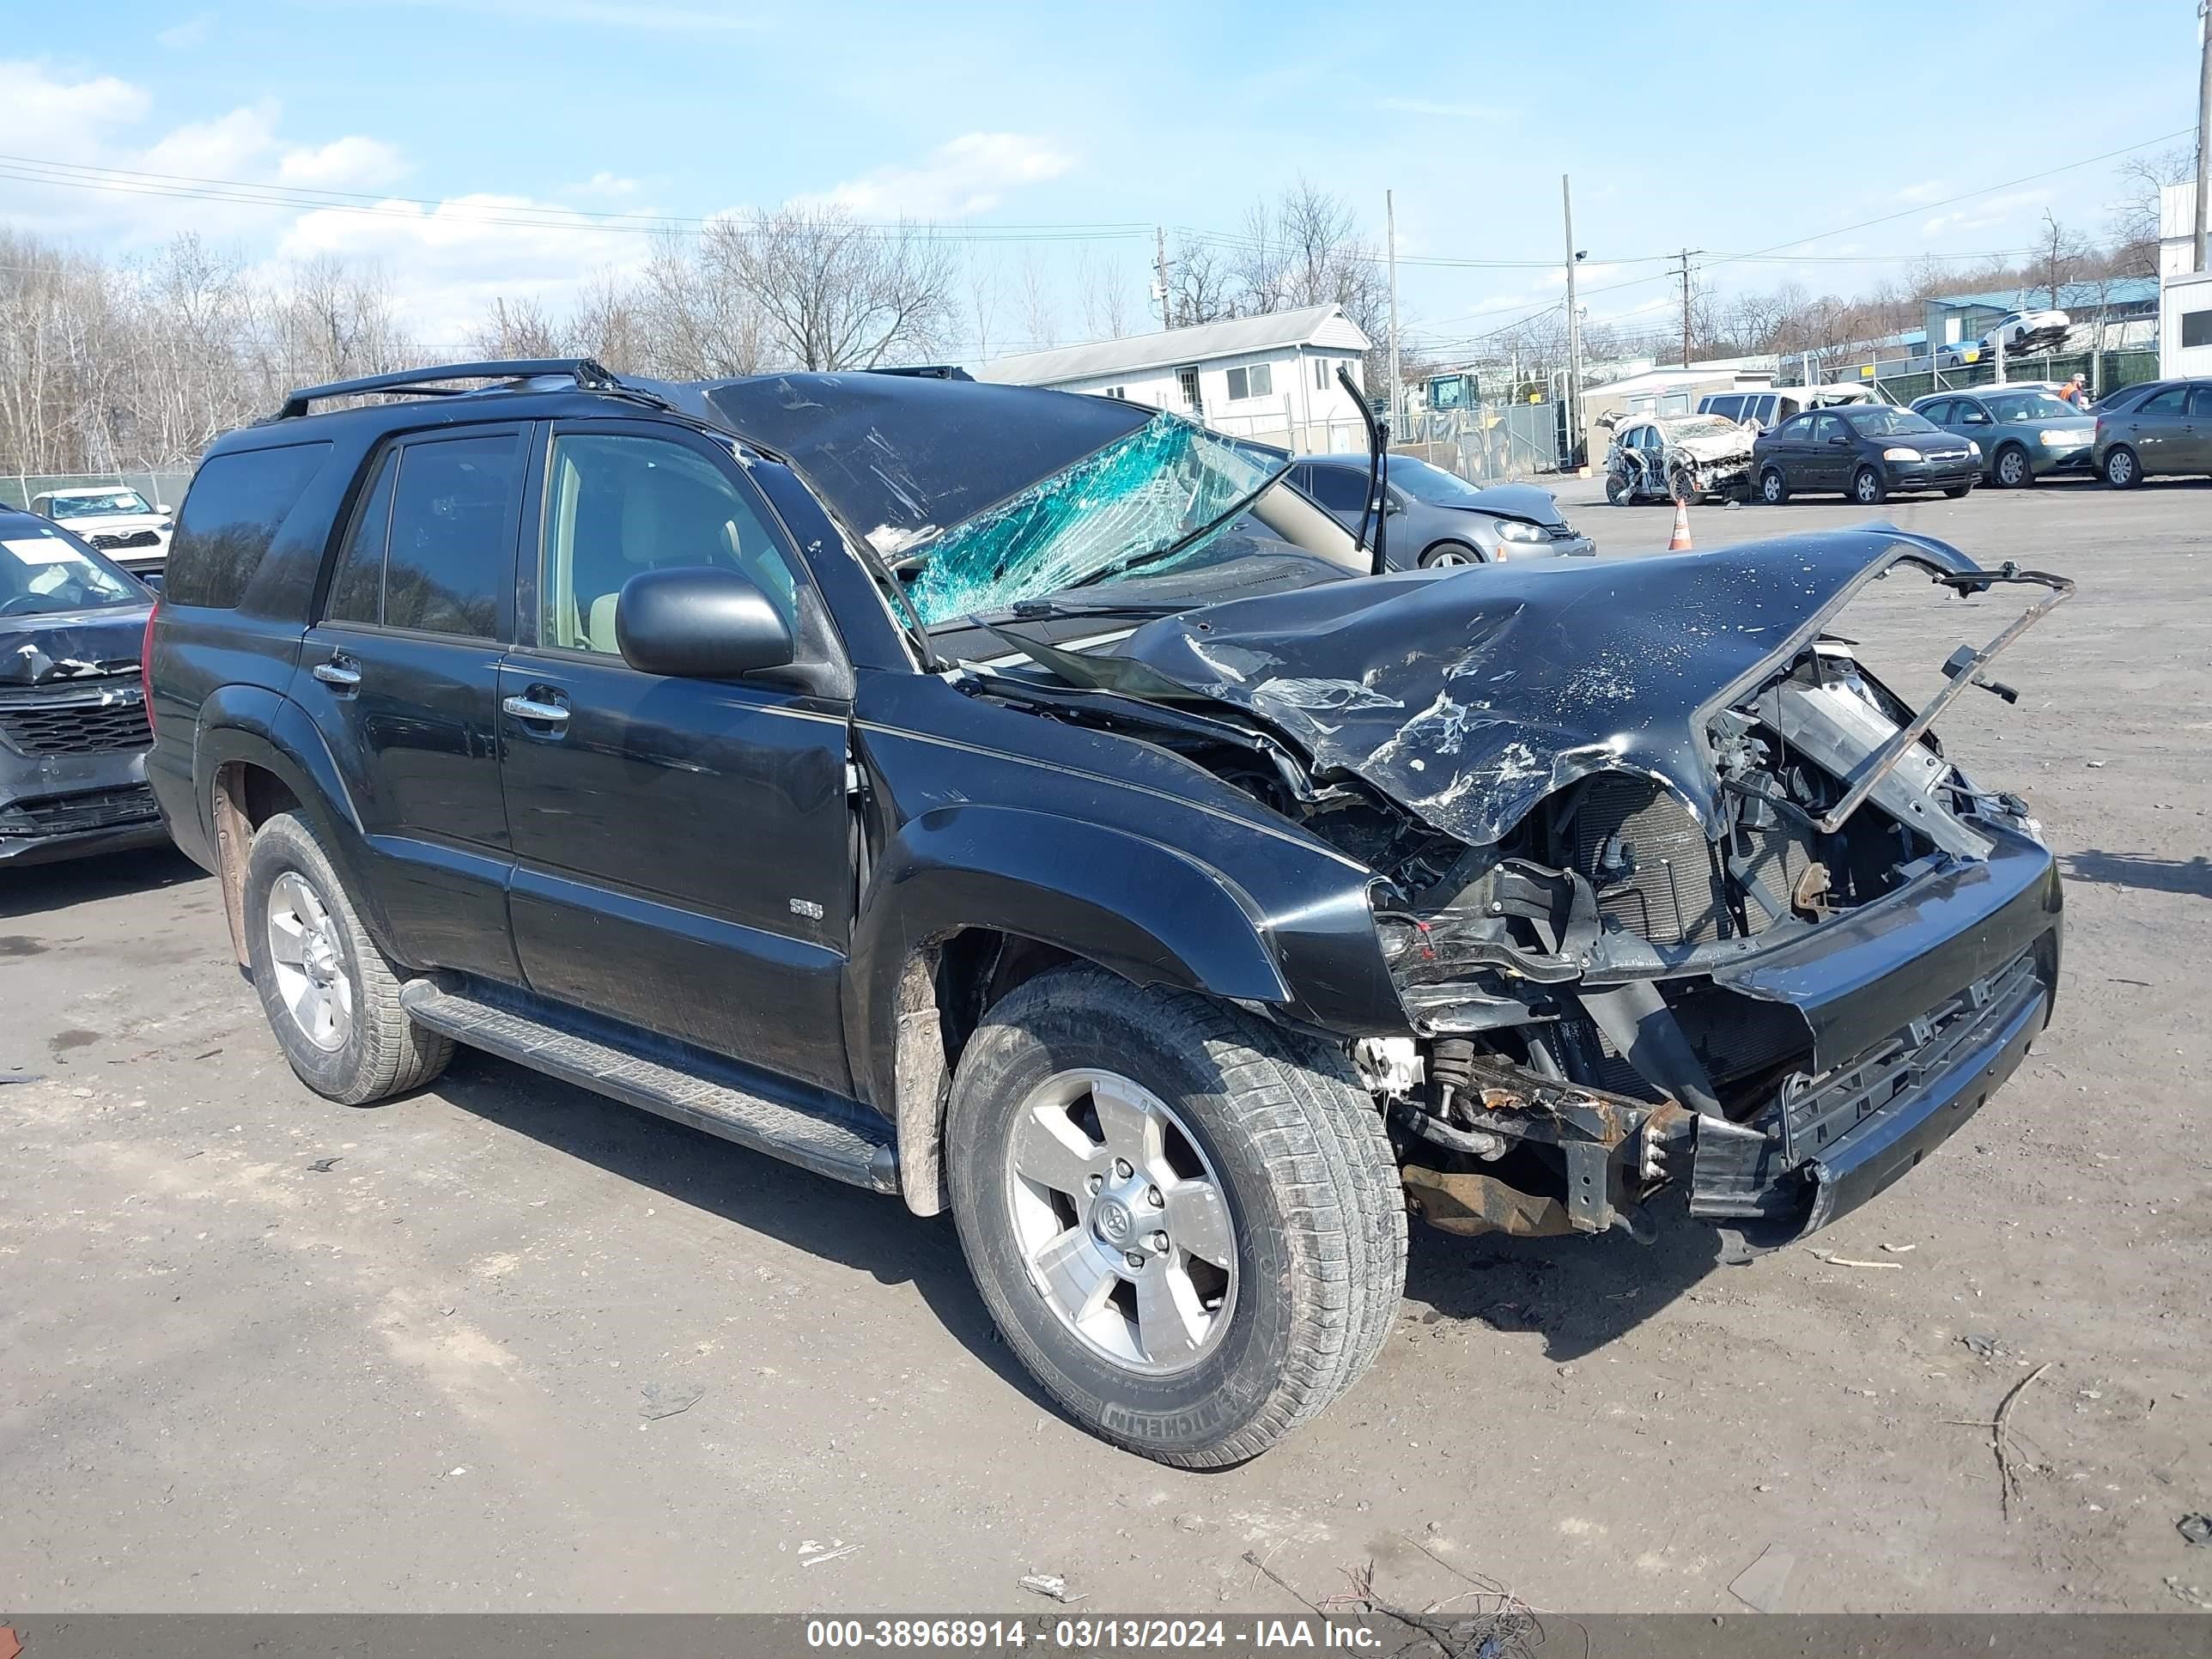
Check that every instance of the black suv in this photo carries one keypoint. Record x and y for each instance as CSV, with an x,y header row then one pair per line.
x,y
1028,805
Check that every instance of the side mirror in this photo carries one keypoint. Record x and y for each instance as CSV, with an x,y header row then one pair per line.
x,y
164,507
1392,504
699,622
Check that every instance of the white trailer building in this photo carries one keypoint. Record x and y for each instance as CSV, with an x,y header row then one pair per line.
x,y
1270,378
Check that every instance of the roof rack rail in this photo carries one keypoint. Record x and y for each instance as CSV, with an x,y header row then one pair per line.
x,y
588,375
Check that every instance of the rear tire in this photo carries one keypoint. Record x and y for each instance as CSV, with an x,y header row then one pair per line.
x,y
2122,470
1170,1352
1773,488
1867,489
332,996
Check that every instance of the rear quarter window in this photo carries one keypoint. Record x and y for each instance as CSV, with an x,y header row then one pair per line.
x,y
233,512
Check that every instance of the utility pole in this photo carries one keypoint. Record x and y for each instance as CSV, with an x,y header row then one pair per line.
x,y
1574,388
1684,275
1160,272
1390,234
2204,135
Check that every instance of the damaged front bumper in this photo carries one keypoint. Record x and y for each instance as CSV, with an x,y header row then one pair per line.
x,y
1920,1007
1917,1008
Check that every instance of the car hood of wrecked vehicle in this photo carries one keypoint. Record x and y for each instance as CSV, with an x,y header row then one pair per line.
x,y
1468,697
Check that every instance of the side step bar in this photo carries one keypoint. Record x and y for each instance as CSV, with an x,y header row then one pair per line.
x,y
838,1139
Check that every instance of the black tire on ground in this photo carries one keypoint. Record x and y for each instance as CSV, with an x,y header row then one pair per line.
x,y
1450,553
1773,487
2011,469
2122,470
1957,491
1305,1175
1616,489
1867,489
1682,487
381,1052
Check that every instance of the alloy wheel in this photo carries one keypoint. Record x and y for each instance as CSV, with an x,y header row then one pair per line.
x,y
312,978
1121,1221
1866,488
2012,469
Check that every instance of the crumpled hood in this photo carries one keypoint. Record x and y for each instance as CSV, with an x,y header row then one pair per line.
x,y
67,644
113,524
1716,446
1468,697
1515,501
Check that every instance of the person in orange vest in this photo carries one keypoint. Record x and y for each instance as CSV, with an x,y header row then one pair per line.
x,y
2075,392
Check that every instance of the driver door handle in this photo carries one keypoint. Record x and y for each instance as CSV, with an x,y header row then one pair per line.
x,y
339,672
529,708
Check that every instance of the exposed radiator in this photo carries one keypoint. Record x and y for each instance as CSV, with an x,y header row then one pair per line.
x,y
1679,890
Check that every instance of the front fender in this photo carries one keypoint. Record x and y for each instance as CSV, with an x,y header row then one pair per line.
x,y
1147,911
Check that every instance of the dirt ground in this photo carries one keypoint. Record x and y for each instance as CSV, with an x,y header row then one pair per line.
x,y
420,1377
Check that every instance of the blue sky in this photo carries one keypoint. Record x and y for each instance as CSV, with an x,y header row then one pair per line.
x,y
1681,125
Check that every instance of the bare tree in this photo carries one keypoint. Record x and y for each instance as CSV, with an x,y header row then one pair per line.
x,y
692,323
2059,254
1040,318
837,294
986,286
1105,296
517,328
1201,287
2132,220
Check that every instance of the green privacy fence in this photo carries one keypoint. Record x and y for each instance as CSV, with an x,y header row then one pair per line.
x,y
164,489
2106,372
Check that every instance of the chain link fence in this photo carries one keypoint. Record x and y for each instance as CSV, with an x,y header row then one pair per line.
x,y
162,490
1486,443
2104,372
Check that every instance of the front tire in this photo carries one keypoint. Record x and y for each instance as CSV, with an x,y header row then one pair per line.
x,y
1957,492
331,997
2011,469
1448,553
2122,470
1773,488
1867,489
1107,1147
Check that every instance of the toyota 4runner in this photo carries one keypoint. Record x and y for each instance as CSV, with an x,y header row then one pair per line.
x,y
1030,805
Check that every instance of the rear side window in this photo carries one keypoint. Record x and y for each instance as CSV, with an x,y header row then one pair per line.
x,y
449,554
2169,402
1727,404
2200,401
236,505
357,594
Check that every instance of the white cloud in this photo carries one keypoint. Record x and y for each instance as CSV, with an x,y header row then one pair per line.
x,y
608,186
447,263
192,32
62,120
970,174
1923,191
1994,210
350,163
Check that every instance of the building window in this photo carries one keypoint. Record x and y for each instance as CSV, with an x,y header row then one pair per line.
x,y
1257,381
1188,380
2195,329
1120,393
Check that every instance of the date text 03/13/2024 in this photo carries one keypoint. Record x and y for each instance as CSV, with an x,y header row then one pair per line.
x,y
1091,1634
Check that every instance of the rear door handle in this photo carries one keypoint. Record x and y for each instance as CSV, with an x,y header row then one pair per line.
x,y
339,672
529,708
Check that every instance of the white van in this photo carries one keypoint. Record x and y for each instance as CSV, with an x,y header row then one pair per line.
x,y
1761,409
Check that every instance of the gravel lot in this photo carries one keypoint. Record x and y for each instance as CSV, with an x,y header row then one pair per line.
x,y
419,1379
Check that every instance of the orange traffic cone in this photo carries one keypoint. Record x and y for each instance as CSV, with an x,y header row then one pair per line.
x,y
1680,541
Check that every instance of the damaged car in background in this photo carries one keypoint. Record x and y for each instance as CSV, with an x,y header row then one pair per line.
x,y
1677,458
1134,866
73,737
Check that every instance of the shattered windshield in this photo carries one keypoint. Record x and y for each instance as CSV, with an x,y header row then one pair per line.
x,y
96,504
1699,426
40,573
1152,498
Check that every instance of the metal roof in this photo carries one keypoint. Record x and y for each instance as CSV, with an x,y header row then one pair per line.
x,y
2072,296
1314,325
